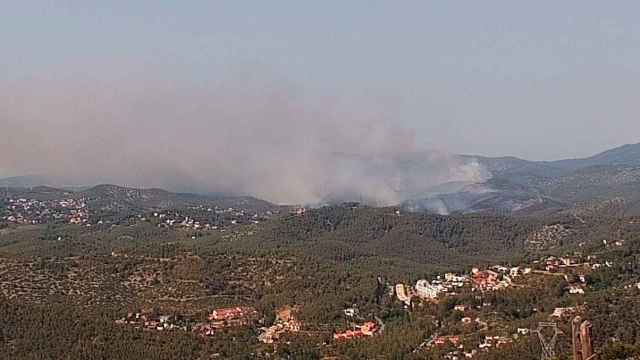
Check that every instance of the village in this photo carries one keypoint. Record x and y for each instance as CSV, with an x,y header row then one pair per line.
x,y
168,286
476,331
77,211
220,319
573,269
32,212
204,218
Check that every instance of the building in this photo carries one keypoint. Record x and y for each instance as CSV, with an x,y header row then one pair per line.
x,y
402,294
426,290
563,311
231,313
444,340
367,329
460,308
451,277
495,342
576,290
350,312
273,333
485,280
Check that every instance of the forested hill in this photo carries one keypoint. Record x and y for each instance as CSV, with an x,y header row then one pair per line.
x,y
547,186
351,233
626,155
128,200
105,196
508,166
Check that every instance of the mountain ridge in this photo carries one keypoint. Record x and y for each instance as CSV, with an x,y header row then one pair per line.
x,y
515,185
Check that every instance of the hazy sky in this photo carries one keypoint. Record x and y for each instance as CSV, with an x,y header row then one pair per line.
x,y
536,79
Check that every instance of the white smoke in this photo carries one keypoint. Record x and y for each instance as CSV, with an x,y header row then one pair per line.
x,y
249,137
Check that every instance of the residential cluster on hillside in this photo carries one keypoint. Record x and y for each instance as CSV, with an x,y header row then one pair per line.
x,y
149,321
461,345
285,323
369,328
31,211
205,218
218,319
69,209
460,351
495,278
423,289
239,316
226,318
573,269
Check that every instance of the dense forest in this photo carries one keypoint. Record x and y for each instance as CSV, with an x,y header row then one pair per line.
x,y
64,286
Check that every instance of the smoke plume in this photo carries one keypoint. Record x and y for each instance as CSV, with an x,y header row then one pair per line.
x,y
244,136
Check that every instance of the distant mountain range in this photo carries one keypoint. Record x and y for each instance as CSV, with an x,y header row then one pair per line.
x,y
626,155
28,181
520,186
515,186
124,200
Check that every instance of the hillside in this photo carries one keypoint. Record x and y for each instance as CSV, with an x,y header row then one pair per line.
x,y
98,280
628,155
354,234
516,169
539,186
514,186
111,203
30,181
625,155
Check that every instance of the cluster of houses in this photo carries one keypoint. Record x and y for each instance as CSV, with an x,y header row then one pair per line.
x,y
218,319
369,328
495,342
285,323
155,322
455,341
574,264
200,218
427,290
32,211
494,278
274,332
440,341
499,277
459,352
75,211
232,317
567,312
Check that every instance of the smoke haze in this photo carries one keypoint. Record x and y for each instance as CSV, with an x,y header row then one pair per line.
x,y
262,138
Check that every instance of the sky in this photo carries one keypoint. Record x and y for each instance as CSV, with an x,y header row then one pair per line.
x,y
540,80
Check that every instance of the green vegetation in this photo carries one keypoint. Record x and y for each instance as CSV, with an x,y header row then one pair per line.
x,y
64,286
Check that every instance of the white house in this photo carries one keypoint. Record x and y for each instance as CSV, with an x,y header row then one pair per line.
x,y
426,290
